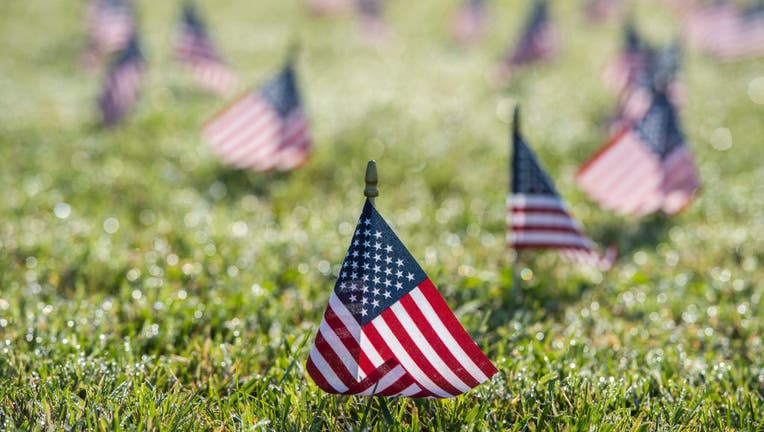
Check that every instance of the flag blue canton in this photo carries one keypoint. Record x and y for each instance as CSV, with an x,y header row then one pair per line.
x,y
192,23
132,53
633,43
539,18
281,92
527,175
377,271
659,128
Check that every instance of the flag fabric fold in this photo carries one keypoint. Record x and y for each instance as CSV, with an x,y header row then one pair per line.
x,y
538,218
264,129
647,167
195,50
122,84
387,330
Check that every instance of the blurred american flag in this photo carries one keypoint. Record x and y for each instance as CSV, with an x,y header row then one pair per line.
x,y
265,129
122,84
645,168
194,48
110,24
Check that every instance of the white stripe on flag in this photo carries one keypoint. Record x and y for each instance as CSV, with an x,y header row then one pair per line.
x,y
326,371
400,352
445,335
424,346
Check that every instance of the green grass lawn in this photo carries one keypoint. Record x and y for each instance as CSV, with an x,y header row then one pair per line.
x,y
145,286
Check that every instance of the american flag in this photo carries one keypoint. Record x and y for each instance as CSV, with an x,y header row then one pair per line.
x,y
371,21
538,40
644,168
631,61
724,31
469,24
658,74
327,7
603,10
387,330
110,24
122,85
538,218
265,129
194,48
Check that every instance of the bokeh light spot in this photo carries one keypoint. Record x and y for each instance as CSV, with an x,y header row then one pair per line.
x,y
756,90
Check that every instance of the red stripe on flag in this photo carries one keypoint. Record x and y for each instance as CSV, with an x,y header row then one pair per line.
x,y
412,348
333,360
457,331
318,377
435,341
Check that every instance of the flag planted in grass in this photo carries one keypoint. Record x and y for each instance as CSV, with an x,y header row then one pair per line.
x,y
537,42
195,50
538,217
603,10
724,31
387,330
633,59
645,168
122,84
264,129
110,24
371,21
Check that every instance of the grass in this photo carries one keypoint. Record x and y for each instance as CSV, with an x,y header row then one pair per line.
x,y
145,286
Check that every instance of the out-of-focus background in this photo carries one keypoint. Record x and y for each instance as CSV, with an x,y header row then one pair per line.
x,y
145,285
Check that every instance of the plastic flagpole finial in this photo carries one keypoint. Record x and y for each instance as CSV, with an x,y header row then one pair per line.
x,y
371,190
516,121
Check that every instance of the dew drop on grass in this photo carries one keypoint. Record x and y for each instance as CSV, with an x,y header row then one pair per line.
x,y
111,225
62,210
239,229
324,267
756,90
721,139
526,274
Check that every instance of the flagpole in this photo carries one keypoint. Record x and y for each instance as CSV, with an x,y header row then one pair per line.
x,y
371,191
516,260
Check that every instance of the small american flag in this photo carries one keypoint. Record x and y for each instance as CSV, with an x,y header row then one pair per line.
x,y
658,74
371,21
194,48
603,10
327,7
387,330
265,129
469,24
110,24
644,168
724,31
538,40
631,61
122,85
538,218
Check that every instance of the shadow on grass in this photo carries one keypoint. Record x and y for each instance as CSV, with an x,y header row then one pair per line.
x,y
229,185
550,284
